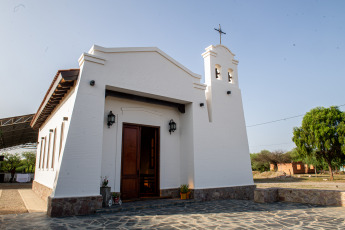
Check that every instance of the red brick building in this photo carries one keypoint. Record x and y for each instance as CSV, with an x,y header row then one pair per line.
x,y
293,168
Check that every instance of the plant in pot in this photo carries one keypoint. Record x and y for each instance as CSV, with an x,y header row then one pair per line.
x,y
184,191
105,192
116,198
104,181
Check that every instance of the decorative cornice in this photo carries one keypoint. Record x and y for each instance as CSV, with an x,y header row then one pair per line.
x,y
91,58
209,53
235,62
226,49
199,86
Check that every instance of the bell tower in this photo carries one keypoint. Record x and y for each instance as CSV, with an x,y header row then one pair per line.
x,y
220,77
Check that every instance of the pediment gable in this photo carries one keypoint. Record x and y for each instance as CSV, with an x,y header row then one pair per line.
x,y
96,48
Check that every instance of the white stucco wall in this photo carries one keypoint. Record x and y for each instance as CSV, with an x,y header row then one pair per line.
x,y
146,72
209,148
44,175
221,146
128,111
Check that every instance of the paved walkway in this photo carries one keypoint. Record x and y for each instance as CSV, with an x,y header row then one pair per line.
x,y
32,201
225,214
19,198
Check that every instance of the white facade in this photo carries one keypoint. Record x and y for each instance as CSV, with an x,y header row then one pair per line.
x,y
209,149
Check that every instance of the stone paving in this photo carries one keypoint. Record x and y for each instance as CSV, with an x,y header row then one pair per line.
x,y
221,214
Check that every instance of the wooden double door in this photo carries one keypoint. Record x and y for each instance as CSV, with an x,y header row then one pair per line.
x,y
140,161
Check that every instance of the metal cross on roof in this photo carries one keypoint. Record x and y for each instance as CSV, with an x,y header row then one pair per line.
x,y
220,34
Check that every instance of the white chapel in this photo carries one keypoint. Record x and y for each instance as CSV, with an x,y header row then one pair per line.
x,y
147,123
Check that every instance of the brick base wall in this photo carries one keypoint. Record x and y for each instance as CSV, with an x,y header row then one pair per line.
x,y
71,206
171,192
41,190
236,193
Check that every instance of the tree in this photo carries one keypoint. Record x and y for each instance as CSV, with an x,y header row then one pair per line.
x,y
296,156
257,162
29,160
322,136
261,161
278,156
11,162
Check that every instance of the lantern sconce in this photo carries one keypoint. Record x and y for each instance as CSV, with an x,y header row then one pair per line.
x,y
172,126
111,119
92,82
228,92
202,104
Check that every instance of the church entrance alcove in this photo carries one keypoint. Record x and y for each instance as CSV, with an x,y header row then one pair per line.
x,y
140,161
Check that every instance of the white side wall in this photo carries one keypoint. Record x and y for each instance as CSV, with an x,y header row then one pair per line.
x,y
81,162
221,156
44,175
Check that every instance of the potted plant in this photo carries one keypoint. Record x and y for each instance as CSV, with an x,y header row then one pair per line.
x,y
105,192
184,191
116,197
104,181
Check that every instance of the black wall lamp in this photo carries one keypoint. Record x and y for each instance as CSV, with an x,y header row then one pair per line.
x,y
201,104
228,92
172,126
92,82
111,119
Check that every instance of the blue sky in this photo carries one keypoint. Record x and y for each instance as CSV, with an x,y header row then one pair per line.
x,y
291,53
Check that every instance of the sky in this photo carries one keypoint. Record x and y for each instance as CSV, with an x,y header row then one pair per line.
x,y
291,53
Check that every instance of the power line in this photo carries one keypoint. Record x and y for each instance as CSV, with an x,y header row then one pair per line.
x,y
287,143
268,122
283,119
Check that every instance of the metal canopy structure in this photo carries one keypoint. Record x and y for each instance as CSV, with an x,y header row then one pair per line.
x,y
17,131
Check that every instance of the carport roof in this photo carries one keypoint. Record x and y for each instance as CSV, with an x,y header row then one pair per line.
x,y
17,131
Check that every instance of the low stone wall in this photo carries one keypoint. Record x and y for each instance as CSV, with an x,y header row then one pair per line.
x,y
41,190
71,206
236,193
266,195
305,196
312,196
171,192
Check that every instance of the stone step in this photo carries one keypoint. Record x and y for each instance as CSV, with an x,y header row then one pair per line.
x,y
145,204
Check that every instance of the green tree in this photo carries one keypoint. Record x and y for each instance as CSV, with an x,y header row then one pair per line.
x,y
322,136
10,163
258,163
29,160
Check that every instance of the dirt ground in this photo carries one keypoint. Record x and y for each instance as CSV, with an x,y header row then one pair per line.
x,y
10,199
299,181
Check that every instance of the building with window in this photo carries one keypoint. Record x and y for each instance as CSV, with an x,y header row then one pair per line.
x,y
147,123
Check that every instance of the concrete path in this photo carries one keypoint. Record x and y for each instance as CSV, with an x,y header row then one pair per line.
x,y
18,198
33,203
223,214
